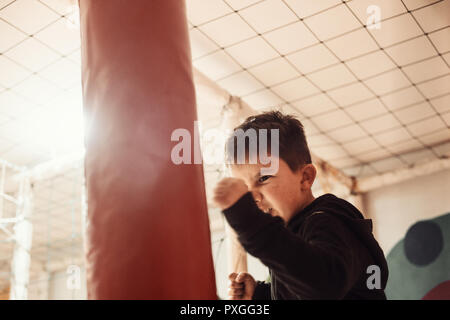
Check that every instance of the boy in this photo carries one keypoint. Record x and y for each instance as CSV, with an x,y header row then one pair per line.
x,y
315,248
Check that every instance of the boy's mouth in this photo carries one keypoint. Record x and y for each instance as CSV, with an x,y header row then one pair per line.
x,y
269,210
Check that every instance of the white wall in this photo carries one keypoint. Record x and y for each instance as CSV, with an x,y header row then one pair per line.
x,y
60,285
395,208
255,267
64,285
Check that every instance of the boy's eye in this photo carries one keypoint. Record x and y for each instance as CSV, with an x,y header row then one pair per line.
x,y
263,178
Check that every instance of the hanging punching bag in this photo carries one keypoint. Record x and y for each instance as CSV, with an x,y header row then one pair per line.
x,y
147,224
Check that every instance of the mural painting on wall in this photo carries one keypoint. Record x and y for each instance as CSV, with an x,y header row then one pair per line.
x,y
419,264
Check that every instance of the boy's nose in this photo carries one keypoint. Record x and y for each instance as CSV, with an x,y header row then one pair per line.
x,y
257,196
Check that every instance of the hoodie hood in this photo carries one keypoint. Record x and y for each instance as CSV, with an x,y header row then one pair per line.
x,y
352,218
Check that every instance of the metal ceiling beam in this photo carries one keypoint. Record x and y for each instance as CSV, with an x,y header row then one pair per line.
x,y
389,178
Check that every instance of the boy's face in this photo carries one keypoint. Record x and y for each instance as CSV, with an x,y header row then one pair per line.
x,y
281,194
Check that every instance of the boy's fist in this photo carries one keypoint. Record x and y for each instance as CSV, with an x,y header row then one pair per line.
x,y
228,191
241,287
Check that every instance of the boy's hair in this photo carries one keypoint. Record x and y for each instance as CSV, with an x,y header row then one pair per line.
x,y
293,148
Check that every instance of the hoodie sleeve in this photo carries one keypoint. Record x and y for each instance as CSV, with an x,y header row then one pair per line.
x,y
262,291
319,263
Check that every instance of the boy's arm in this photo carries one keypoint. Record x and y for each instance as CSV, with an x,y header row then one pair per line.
x,y
322,265
262,291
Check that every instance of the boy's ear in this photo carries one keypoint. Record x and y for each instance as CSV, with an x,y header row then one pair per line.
x,y
309,173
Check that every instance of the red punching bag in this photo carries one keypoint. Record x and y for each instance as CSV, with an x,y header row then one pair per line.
x,y
147,225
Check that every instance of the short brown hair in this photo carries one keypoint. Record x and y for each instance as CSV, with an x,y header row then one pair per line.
x,y
293,148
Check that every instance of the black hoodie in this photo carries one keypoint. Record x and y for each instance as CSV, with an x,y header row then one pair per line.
x,y
322,253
